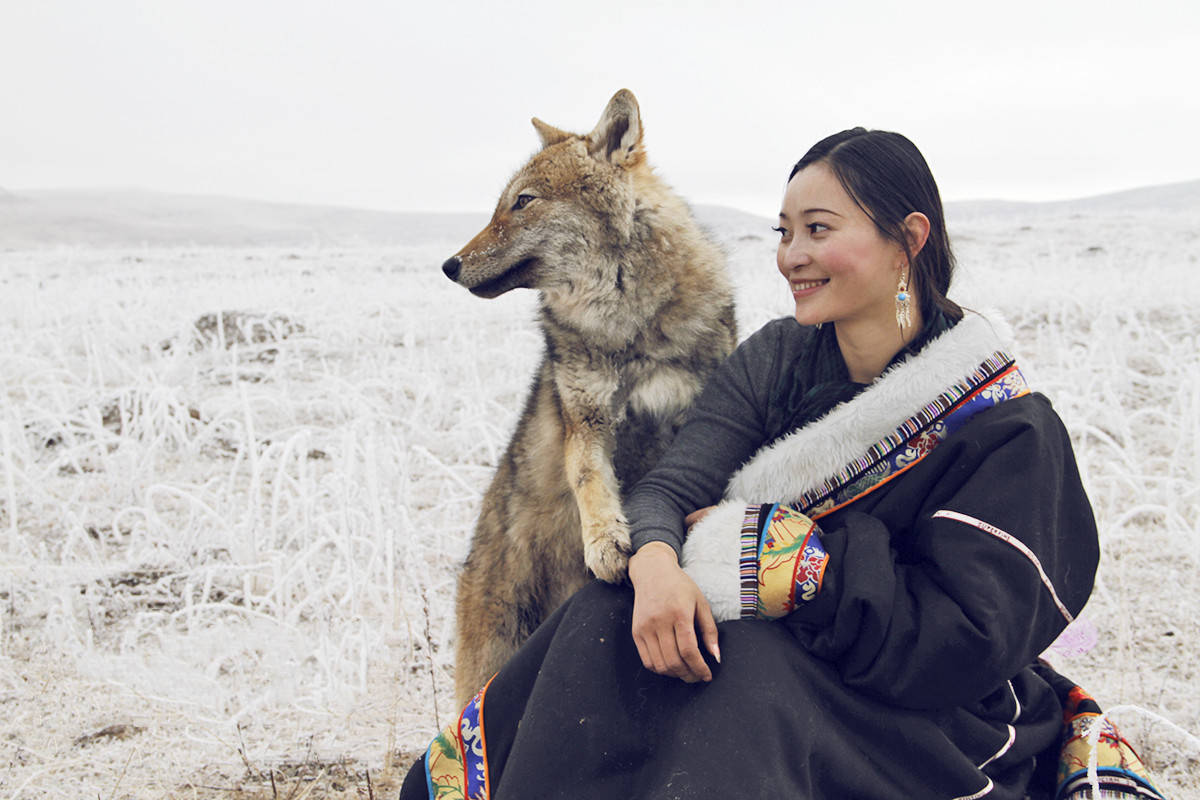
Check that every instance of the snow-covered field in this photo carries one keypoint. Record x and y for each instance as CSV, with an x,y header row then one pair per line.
x,y
238,470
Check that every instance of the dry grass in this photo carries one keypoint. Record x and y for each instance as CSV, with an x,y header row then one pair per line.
x,y
237,554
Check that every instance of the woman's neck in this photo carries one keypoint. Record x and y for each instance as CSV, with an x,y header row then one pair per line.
x,y
869,346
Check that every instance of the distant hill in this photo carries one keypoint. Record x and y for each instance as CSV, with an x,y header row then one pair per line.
x,y
129,217
724,222
134,217
1170,198
111,218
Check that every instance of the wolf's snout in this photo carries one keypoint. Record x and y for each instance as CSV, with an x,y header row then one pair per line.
x,y
452,266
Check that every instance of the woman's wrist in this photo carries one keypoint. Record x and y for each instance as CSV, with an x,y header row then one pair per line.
x,y
657,546
652,556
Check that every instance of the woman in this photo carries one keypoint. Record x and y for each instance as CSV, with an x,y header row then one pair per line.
x,y
903,531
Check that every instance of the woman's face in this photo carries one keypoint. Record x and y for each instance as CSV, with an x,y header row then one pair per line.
x,y
839,266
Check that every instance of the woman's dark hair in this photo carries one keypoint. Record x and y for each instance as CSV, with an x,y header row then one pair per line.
x,y
886,175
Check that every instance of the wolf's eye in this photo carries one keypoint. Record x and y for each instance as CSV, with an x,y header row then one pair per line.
x,y
522,201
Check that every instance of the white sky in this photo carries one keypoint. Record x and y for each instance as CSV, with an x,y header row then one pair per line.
x,y
426,106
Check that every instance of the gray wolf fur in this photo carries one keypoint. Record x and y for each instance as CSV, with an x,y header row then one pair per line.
x,y
636,310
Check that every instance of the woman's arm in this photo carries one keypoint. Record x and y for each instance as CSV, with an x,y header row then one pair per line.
x,y
724,428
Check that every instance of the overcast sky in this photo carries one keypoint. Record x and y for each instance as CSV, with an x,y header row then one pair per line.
x,y
404,106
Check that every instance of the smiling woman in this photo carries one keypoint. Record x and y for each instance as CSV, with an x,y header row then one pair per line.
x,y
862,229
842,269
846,565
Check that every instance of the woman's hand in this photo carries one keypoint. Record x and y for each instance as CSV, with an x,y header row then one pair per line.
x,y
667,608
697,515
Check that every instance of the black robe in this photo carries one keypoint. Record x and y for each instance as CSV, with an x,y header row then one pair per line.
x,y
910,673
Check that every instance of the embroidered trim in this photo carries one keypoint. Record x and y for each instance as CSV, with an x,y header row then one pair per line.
x,y
1120,772
1112,787
1017,544
791,562
995,380
801,460
456,761
748,562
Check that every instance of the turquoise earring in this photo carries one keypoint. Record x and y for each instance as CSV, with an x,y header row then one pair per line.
x,y
903,303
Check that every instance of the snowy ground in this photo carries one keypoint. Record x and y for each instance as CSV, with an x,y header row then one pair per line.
x,y
227,554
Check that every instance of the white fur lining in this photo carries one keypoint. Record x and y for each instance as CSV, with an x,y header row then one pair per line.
x,y
802,460
710,556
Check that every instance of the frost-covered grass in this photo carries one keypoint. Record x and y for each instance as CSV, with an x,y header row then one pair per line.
x,y
231,554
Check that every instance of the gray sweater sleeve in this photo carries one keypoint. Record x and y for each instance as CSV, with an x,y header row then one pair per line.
x,y
727,424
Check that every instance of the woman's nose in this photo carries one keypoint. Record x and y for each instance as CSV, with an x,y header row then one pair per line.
x,y
793,254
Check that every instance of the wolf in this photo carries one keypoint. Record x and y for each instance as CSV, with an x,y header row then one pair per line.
x,y
636,310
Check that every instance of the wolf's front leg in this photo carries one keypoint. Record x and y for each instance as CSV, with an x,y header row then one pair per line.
x,y
606,545
587,389
588,462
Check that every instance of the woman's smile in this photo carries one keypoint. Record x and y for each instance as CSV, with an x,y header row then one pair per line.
x,y
805,288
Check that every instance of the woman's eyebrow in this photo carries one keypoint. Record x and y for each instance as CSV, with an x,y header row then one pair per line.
x,y
821,211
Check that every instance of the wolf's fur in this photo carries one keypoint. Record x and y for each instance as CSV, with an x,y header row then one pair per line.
x,y
636,311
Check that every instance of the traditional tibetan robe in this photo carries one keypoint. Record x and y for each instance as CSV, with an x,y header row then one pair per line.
x,y
885,576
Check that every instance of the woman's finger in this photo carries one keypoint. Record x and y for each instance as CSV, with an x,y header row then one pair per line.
x,y
673,663
654,661
689,653
643,652
708,629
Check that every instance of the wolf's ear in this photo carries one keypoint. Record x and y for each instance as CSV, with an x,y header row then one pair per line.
x,y
548,133
617,137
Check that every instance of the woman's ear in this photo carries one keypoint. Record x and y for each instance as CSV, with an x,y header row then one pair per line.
x,y
917,226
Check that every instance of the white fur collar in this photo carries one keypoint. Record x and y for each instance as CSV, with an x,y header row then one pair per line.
x,y
802,460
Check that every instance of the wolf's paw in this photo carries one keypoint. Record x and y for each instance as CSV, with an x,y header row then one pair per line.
x,y
606,551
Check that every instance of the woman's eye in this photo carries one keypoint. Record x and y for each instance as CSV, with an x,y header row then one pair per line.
x,y
780,231
816,227
522,201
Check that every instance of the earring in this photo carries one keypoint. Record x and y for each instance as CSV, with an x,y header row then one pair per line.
x,y
903,304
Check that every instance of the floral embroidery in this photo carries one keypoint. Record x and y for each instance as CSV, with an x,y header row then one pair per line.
x,y
791,563
995,380
1119,770
456,761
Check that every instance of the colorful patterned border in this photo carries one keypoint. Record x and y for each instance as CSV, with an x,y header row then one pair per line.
x,y
748,562
995,380
791,562
456,761
1120,772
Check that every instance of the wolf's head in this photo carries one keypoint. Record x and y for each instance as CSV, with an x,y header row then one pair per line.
x,y
566,210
